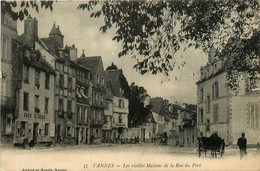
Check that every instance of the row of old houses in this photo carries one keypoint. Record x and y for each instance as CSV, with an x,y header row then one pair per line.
x,y
177,120
49,94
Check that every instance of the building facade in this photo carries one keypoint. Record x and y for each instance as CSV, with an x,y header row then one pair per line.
x,y
120,105
84,98
223,111
107,128
97,75
35,101
8,77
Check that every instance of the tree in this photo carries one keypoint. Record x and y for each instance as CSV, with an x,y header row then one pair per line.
x,y
22,6
154,31
138,113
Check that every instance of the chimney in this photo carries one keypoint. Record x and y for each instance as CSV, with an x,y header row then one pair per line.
x,y
73,53
211,55
31,31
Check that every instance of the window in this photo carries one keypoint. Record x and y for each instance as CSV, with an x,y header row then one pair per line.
x,y
68,131
201,115
215,113
4,46
101,98
46,104
86,115
120,118
96,97
69,84
208,125
36,103
61,81
46,129
3,86
201,94
23,126
173,124
69,105
97,80
215,90
8,120
25,101
121,103
253,116
103,81
47,81
61,105
208,104
193,138
26,74
37,78
79,114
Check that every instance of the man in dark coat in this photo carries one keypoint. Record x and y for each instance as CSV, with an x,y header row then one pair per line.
x,y
242,142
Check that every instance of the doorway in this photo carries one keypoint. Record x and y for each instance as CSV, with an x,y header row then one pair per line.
x,y
58,133
35,132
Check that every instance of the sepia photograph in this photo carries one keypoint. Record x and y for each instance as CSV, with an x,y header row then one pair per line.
x,y
130,85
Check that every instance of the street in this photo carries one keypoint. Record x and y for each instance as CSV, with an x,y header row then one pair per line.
x,y
123,156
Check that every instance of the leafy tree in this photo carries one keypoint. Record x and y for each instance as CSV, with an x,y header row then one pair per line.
x,y
136,95
18,9
138,113
154,31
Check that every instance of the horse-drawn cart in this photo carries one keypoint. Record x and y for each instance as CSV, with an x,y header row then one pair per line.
x,y
214,144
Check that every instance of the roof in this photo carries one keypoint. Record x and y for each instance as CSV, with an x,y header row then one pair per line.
x,y
39,63
55,30
113,76
51,44
90,62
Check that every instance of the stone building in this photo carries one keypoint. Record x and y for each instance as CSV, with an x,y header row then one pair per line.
x,y
107,128
8,77
35,101
97,75
120,105
223,111
188,131
59,58
65,87
84,99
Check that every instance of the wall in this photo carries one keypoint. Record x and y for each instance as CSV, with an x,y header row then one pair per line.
x,y
8,83
221,125
240,119
30,116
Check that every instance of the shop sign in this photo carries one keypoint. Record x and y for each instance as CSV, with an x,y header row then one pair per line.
x,y
27,115
38,116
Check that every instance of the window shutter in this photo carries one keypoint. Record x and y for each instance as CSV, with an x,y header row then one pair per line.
x,y
213,91
256,116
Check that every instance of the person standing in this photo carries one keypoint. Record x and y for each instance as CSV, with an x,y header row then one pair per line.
x,y
242,144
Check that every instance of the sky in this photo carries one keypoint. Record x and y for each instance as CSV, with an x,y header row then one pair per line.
x,y
82,31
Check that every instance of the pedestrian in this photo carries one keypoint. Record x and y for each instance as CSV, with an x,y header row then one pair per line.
x,y
242,142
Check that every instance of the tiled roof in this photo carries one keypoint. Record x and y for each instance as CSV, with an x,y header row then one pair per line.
x,y
113,76
51,44
90,62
